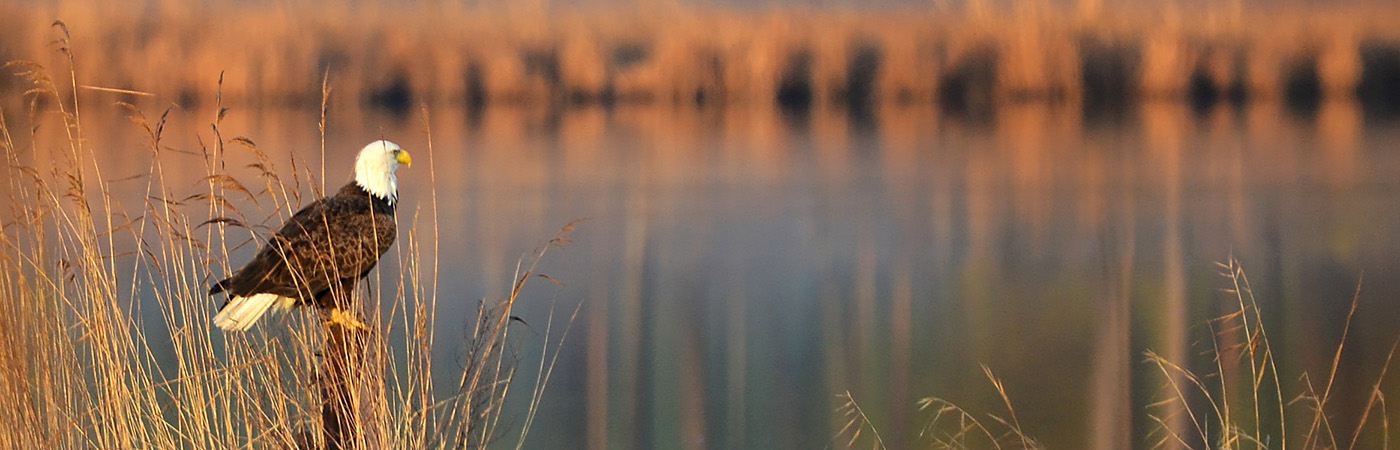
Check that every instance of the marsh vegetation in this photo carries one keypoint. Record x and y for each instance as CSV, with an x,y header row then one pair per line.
x,y
106,323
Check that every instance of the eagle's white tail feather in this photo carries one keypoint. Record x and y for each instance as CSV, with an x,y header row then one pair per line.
x,y
241,312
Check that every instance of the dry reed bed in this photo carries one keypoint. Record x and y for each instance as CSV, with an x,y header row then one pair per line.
x,y
105,337
393,55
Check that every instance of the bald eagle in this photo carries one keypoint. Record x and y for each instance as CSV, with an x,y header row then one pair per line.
x,y
323,250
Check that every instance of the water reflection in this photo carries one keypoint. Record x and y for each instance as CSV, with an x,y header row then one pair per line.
x,y
743,265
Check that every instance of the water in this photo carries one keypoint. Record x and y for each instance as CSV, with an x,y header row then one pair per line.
x,y
740,268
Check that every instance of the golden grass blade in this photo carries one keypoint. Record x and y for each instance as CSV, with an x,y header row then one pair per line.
x,y
116,90
857,422
1377,396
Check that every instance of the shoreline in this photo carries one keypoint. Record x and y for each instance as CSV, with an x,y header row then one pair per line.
x,y
964,61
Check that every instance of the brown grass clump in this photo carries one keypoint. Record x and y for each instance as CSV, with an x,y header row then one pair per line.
x,y
1242,402
1239,403
83,366
949,426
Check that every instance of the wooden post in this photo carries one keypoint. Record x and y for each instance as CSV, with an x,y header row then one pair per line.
x,y
342,385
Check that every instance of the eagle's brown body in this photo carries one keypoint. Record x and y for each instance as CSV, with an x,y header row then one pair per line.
x,y
322,250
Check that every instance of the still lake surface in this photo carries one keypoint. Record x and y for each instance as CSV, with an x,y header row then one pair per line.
x,y
742,267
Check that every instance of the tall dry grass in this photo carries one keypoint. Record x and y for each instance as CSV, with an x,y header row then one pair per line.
x,y
1241,402
105,337
1238,401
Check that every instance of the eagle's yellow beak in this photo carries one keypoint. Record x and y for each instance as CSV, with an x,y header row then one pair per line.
x,y
404,159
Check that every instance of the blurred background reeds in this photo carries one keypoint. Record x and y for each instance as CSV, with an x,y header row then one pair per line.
x,y
965,57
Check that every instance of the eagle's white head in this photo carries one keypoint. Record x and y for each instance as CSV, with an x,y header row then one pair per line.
x,y
374,169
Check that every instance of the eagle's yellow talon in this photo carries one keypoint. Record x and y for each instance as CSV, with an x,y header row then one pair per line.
x,y
345,319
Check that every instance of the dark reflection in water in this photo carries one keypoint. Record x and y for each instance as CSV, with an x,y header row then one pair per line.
x,y
743,266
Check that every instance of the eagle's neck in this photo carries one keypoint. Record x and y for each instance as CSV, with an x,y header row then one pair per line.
x,y
377,203
377,178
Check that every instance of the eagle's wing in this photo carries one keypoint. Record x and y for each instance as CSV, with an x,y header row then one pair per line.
x,y
335,240
272,277
271,270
